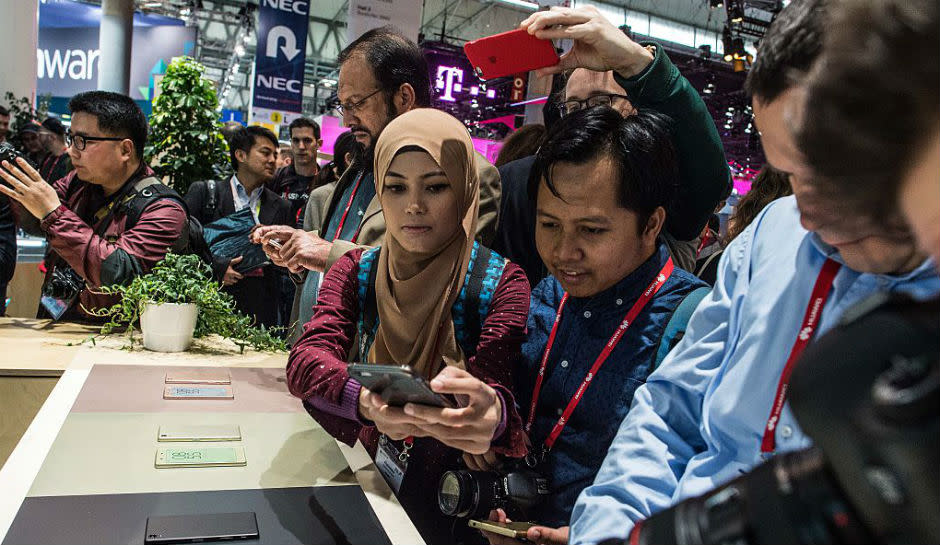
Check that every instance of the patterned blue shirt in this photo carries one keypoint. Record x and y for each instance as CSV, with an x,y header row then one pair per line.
x,y
699,419
586,326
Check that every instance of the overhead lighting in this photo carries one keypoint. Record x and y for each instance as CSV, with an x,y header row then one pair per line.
x,y
736,13
518,4
239,50
727,43
716,3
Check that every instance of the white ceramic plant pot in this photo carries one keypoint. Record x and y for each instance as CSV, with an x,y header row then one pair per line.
x,y
168,327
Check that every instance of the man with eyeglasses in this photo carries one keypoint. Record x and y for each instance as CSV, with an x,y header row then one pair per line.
x,y
382,75
607,68
85,216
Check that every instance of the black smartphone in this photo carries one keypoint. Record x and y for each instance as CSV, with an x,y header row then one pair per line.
x,y
201,528
397,385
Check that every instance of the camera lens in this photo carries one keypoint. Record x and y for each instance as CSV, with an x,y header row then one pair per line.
x,y
455,496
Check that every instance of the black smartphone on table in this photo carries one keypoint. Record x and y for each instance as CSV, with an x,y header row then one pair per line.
x,y
201,528
398,384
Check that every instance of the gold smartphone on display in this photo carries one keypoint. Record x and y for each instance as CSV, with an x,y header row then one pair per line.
x,y
171,457
509,529
199,432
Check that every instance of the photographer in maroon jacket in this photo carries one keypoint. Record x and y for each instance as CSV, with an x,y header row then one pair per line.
x,y
84,216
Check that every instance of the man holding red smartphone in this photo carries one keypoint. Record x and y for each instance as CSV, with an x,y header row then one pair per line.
x,y
609,69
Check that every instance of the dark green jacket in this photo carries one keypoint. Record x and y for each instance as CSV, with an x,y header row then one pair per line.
x,y
704,176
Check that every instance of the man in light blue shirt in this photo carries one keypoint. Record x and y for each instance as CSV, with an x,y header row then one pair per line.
x,y
700,419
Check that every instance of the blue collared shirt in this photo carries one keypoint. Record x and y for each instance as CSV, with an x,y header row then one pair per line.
x,y
699,419
242,199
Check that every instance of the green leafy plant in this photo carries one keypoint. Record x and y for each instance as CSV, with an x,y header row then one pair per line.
x,y
185,142
186,279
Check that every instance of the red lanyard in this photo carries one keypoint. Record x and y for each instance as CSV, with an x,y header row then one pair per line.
x,y
810,320
342,220
55,164
634,311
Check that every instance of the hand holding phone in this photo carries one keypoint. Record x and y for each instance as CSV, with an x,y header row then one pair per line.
x,y
515,530
598,44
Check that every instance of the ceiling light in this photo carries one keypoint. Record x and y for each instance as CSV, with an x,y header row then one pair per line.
x,y
519,4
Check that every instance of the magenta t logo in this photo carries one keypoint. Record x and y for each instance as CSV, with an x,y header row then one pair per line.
x,y
449,81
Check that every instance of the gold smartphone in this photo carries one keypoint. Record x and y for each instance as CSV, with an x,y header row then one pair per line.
x,y
199,432
509,529
171,457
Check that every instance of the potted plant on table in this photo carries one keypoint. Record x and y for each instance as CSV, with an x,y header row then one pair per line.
x,y
178,301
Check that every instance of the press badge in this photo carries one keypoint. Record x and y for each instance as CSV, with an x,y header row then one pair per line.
x,y
389,460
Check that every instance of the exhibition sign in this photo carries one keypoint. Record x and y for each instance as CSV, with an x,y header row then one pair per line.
x,y
68,58
279,60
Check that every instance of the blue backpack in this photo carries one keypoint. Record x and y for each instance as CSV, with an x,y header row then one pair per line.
x,y
468,312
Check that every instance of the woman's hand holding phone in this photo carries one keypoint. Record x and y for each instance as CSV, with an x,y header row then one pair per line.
x,y
469,428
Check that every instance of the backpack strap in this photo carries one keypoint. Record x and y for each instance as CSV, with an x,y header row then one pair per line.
x,y
212,200
145,192
675,328
473,303
369,315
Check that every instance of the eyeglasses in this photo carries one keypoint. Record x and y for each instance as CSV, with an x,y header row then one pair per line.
x,y
352,107
79,141
571,106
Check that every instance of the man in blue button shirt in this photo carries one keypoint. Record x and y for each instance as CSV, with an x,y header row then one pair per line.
x,y
701,418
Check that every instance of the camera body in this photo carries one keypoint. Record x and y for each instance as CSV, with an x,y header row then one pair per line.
x,y
473,494
9,154
64,283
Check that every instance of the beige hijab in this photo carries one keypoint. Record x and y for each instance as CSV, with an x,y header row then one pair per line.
x,y
415,325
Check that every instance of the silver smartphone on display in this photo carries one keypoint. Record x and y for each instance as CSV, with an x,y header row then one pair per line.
x,y
201,528
199,432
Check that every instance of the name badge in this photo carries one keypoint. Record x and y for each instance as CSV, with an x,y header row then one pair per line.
x,y
392,465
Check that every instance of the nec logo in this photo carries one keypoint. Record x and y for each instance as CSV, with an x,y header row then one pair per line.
x,y
287,5
279,84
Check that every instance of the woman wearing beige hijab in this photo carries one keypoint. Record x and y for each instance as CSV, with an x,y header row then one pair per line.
x,y
429,191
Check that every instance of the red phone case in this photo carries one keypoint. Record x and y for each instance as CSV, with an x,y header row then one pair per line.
x,y
509,53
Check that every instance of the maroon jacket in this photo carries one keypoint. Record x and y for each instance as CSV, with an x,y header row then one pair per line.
x,y
117,256
316,373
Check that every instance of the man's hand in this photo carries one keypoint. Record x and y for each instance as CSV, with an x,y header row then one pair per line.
x,y
598,44
231,275
272,239
305,250
543,535
28,188
469,428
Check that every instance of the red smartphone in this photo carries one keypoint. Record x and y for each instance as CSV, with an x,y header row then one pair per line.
x,y
509,53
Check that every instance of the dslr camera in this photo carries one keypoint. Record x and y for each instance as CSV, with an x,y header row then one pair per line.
x,y
8,153
64,283
473,494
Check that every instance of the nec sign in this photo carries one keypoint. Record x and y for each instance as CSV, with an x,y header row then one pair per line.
x,y
280,84
279,55
299,8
